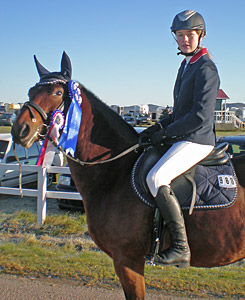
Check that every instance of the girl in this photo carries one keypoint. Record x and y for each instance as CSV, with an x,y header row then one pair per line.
x,y
190,128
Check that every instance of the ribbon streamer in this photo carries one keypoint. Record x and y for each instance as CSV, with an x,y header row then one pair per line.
x,y
47,152
68,140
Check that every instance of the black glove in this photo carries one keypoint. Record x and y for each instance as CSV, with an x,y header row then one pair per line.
x,y
145,135
158,136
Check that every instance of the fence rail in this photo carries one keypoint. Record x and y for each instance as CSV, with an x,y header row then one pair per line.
x,y
42,193
229,117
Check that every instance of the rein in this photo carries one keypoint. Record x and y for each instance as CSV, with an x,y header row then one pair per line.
x,y
83,163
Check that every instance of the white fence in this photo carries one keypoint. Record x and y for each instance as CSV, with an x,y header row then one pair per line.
x,y
228,117
41,192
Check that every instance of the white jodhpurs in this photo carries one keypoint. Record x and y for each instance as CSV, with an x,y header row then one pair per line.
x,y
177,160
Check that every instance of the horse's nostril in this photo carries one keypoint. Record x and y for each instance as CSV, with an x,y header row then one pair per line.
x,y
19,132
25,129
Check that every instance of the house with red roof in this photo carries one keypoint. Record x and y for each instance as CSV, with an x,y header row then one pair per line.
x,y
224,118
220,100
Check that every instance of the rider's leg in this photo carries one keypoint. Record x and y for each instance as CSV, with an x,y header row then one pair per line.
x,y
179,253
178,159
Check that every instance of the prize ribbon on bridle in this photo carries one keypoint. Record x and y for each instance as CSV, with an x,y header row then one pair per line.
x,y
47,152
68,139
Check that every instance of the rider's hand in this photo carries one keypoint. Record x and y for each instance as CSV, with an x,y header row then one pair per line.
x,y
158,136
145,135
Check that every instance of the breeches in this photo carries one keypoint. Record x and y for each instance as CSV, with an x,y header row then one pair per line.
x,y
180,157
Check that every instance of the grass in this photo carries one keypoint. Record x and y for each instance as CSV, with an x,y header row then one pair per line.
x,y
233,132
5,129
62,248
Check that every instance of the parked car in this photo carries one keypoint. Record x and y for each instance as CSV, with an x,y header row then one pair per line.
x,y
66,184
27,156
236,144
7,119
143,119
130,120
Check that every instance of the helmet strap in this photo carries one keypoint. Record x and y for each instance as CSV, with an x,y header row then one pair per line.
x,y
189,54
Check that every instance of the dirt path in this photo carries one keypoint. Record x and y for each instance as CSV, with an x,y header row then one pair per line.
x,y
22,288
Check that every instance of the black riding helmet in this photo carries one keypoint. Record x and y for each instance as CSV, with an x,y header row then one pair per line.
x,y
188,20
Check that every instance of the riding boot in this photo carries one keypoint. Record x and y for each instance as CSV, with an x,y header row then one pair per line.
x,y
178,254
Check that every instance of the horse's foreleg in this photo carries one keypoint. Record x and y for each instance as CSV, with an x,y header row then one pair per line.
x,y
131,276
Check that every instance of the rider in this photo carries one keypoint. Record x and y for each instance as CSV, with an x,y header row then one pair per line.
x,y
190,128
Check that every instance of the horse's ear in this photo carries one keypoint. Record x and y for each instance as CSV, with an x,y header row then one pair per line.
x,y
66,68
41,70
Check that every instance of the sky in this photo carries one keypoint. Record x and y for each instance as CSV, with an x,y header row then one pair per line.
x,y
121,50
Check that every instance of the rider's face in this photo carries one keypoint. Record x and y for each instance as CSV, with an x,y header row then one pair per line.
x,y
187,40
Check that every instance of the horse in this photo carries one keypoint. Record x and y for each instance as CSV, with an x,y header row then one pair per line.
x,y
120,224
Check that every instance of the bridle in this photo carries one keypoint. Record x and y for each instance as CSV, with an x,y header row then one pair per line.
x,y
30,105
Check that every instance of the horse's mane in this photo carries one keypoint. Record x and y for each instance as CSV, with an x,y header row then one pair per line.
x,y
113,123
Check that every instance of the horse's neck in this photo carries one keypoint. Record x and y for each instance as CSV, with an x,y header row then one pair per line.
x,y
102,134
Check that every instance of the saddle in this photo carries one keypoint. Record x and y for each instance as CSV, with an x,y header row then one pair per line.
x,y
210,184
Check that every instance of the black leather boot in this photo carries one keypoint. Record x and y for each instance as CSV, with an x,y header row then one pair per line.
x,y
178,254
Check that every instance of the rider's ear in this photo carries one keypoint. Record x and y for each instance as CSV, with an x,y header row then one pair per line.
x,y
66,68
41,70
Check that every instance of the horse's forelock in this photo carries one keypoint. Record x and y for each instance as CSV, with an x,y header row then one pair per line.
x,y
37,89
48,88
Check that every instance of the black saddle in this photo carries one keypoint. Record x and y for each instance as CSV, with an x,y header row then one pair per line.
x,y
184,186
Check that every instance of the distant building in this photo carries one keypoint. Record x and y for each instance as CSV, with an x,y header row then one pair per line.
x,y
12,107
144,109
221,101
225,118
118,109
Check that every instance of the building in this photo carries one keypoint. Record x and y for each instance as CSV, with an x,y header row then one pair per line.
x,y
225,119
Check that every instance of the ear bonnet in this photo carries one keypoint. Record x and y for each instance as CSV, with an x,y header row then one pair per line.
x,y
63,76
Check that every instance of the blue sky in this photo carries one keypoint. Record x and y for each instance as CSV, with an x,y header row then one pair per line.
x,y
122,50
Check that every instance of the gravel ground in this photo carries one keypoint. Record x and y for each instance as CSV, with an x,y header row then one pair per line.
x,y
23,288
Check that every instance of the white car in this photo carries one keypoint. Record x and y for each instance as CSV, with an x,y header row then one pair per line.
x,y
27,156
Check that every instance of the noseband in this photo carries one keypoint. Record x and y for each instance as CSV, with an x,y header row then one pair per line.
x,y
29,105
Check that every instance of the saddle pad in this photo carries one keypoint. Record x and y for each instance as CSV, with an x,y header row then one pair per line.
x,y
216,187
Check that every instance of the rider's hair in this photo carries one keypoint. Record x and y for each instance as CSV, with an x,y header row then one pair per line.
x,y
201,34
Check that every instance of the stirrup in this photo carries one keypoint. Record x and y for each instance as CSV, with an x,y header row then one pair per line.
x,y
151,257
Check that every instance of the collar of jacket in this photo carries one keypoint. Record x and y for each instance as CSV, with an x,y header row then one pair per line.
x,y
196,56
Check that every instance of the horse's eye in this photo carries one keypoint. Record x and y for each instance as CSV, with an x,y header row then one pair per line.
x,y
58,93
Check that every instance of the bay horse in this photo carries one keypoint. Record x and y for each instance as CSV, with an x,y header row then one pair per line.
x,y
118,222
